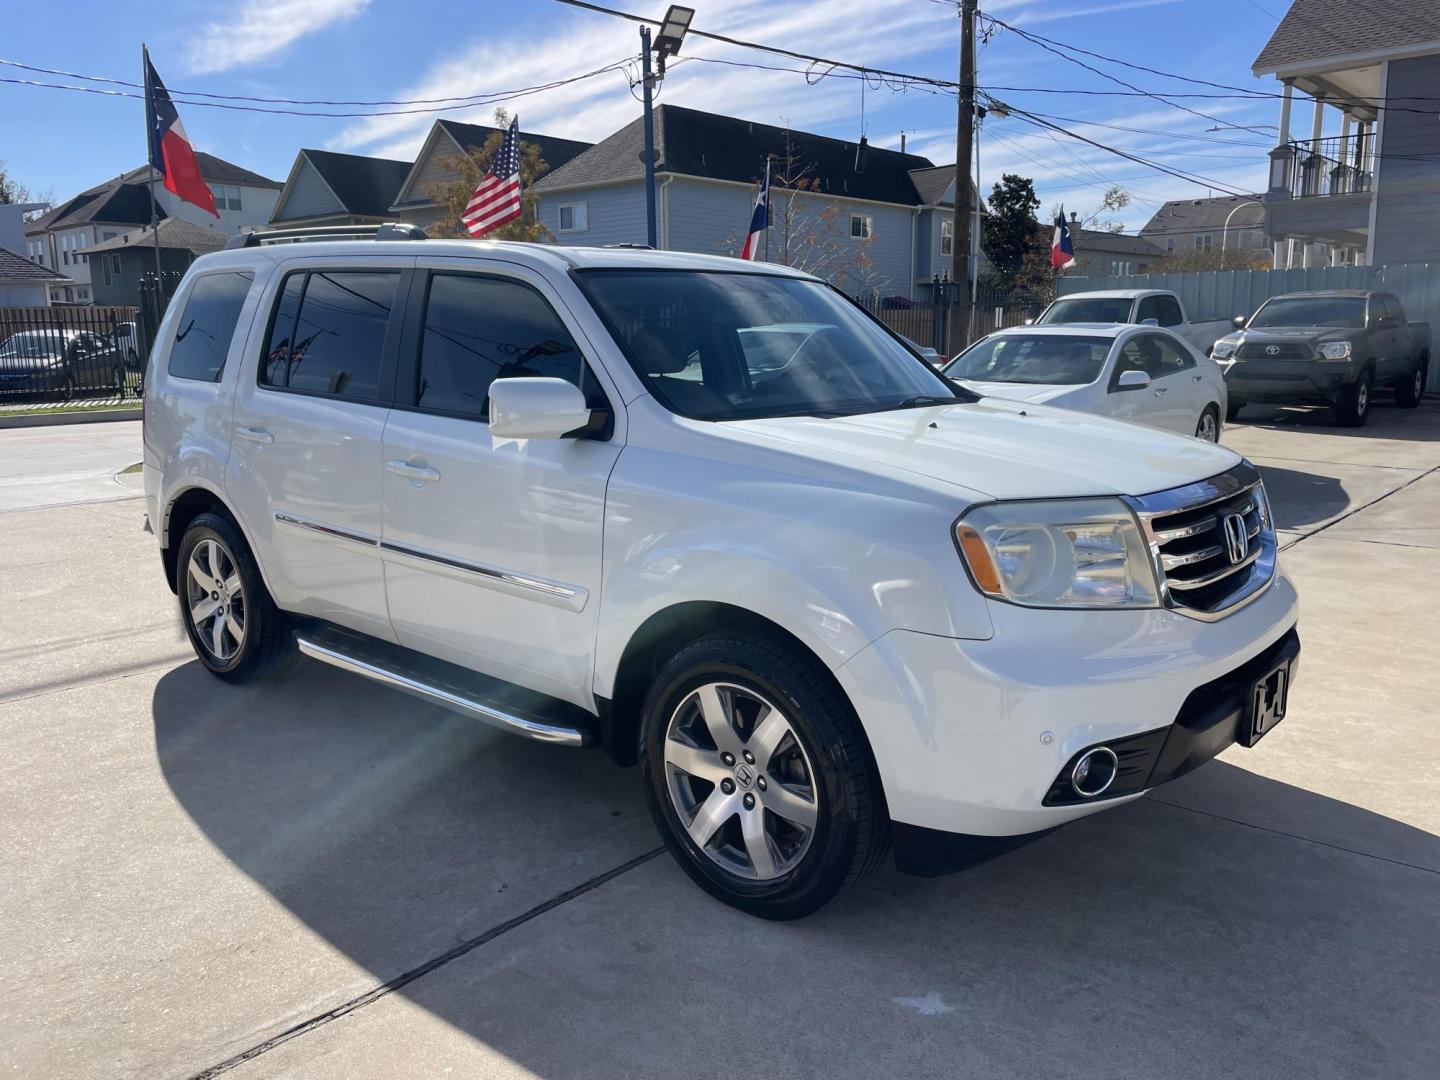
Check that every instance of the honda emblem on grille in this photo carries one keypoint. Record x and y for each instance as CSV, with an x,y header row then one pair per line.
x,y
1272,350
1237,538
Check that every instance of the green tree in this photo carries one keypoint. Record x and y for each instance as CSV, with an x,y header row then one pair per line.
x,y
452,196
1011,229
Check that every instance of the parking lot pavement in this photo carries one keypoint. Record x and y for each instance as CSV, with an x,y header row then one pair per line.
x,y
319,878
51,466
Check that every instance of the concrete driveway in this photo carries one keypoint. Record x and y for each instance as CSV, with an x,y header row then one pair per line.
x,y
319,878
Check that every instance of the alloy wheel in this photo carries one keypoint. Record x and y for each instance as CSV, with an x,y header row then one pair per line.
x,y
741,781
215,599
1362,397
1208,429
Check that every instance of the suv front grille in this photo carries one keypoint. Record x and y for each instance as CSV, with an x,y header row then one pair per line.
x,y
1213,542
1255,350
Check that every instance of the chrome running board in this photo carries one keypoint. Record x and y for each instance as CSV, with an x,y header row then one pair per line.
x,y
495,702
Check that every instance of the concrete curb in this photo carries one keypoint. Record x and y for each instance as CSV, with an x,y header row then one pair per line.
x,y
45,419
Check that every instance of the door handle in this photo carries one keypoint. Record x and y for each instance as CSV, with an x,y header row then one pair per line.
x,y
1162,391
255,434
423,473
1197,378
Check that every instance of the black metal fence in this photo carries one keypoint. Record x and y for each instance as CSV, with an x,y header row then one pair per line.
x,y
929,322
63,354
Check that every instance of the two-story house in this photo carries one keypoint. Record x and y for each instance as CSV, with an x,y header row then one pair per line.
x,y
1368,193
878,222
1217,226
329,188
23,282
58,239
118,266
1100,253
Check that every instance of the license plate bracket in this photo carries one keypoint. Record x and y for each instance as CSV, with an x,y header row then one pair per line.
x,y
1265,707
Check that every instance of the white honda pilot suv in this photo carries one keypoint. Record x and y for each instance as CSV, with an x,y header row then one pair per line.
x,y
713,517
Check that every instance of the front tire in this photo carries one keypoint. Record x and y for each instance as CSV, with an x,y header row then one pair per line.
x,y
1353,408
759,777
235,628
1410,390
1208,427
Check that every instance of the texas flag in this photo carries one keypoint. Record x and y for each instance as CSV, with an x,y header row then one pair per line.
x,y
171,154
759,219
1062,251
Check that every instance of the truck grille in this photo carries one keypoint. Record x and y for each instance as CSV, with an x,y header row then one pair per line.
x,y
1213,542
1255,350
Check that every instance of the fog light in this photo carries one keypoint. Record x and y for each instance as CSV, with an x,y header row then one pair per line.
x,y
1094,772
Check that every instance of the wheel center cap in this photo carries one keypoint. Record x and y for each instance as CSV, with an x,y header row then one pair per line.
x,y
744,776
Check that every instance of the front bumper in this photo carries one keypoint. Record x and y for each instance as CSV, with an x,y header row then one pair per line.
x,y
1284,382
970,736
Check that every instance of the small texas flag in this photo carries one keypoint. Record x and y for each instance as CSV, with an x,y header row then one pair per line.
x,y
1062,250
759,219
171,154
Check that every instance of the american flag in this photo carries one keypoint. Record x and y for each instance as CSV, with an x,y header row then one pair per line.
x,y
498,199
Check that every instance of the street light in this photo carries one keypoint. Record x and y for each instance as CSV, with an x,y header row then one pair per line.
x,y
1225,231
673,29
667,43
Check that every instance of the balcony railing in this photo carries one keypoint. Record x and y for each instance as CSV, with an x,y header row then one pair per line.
x,y
1315,168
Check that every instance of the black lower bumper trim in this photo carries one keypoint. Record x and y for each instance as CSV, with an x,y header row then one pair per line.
x,y
933,852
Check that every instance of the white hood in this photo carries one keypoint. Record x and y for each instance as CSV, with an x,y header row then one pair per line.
x,y
1010,391
1004,449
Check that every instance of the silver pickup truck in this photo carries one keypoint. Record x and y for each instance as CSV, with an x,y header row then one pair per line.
x,y
1330,348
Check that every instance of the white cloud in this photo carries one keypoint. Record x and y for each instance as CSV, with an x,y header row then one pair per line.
x,y
259,29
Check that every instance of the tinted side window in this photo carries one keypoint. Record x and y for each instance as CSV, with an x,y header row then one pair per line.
x,y
207,325
329,332
1169,309
479,329
1132,358
1166,357
1147,310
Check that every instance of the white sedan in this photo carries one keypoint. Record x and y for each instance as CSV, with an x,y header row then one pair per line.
x,y
1144,374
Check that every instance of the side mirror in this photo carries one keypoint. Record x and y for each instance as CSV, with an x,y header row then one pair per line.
x,y
1132,380
536,408
1152,321
1029,322
1239,322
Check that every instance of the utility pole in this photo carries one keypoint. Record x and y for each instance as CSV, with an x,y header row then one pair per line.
x,y
648,83
960,265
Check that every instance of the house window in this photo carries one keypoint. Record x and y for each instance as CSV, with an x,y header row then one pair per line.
x,y
105,270
573,217
107,236
947,237
860,227
1202,241
1169,245
226,197
1121,268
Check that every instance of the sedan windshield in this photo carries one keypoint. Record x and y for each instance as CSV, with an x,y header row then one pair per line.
x,y
1051,359
1112,309
732,346
1346,312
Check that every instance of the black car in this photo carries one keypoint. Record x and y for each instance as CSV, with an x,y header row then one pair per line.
x,y
1327,348
51,362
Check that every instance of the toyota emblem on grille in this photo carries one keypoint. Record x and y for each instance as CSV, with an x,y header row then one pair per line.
x,y
1272,350
1237,538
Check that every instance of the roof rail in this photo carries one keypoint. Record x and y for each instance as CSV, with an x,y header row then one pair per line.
x,y
627,244
390,230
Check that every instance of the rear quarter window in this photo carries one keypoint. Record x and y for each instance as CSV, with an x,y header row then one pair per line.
x,y
207,326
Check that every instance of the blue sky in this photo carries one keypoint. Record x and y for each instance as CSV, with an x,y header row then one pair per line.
x,y
59,142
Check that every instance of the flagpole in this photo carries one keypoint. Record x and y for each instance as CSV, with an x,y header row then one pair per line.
x,y
154,175
767,207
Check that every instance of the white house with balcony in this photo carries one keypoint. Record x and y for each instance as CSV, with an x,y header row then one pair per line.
x,y
1355,174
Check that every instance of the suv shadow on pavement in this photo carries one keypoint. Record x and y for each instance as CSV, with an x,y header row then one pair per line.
x,y
1169,937
1420,424
1299,498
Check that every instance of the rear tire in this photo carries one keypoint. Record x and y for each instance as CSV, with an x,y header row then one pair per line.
x,y
1232,410
1353,408
218,582
759,777
1411,389
1208,427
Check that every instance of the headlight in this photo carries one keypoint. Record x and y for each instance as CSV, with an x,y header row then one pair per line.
x,y
1335,350
1085,553
1223,348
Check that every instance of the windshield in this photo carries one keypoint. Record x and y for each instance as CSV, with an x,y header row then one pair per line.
x,y
1347,312
37,343
1032,358
1096,309
730,346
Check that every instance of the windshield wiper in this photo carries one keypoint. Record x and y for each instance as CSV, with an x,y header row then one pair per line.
x,y
917,400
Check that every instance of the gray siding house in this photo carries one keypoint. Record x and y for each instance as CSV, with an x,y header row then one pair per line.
x,y
1369,192
326,188
884,229
1227,223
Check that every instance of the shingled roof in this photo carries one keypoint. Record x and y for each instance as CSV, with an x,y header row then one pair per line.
x,y
17,268
556,152
1115,243
689,142
1320,29
1199,215
364,185
175,234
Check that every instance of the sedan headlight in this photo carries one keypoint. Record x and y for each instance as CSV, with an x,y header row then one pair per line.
x,y
1224,348
1335,350
1084,553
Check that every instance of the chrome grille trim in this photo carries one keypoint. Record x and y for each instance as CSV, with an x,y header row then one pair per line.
x,y
1185,532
